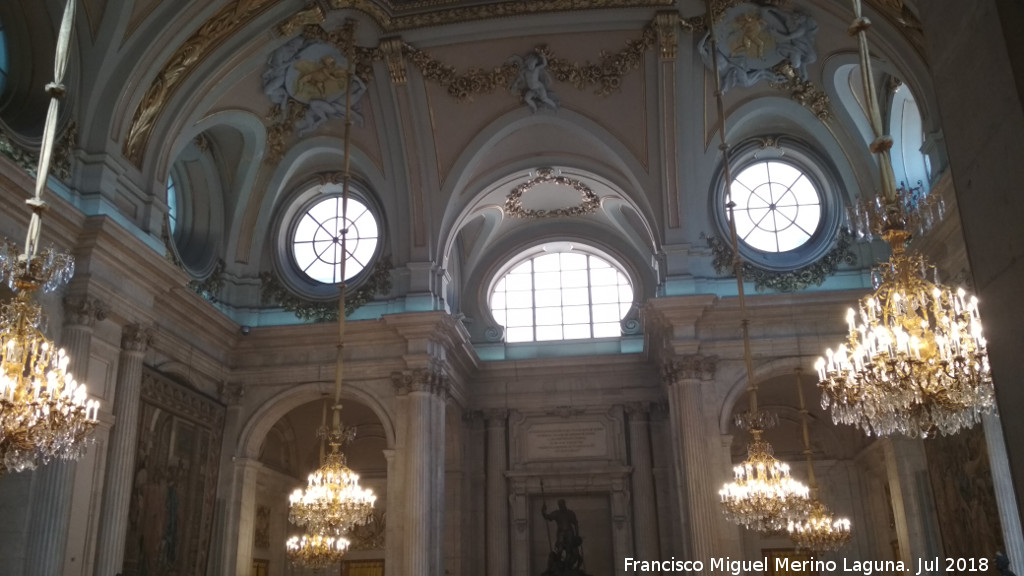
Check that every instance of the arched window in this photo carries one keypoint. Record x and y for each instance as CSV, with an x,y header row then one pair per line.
x,y
3,58
778,208
172,205
316,239
909,162
560,292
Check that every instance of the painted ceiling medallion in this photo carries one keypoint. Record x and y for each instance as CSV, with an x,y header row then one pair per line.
x,y
589,201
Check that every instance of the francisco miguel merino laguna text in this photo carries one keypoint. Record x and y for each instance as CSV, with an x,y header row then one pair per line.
x,y
737,567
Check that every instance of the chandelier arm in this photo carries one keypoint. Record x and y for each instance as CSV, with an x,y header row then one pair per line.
x,y
737,260
56,91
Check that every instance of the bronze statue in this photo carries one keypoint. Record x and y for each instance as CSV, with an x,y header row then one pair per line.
x,y
566,556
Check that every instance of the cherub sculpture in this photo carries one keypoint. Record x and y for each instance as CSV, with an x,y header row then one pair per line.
x,y
533,82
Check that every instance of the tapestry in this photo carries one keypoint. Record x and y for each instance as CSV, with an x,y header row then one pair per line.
x,y
790,554
170,518
965,499
362,568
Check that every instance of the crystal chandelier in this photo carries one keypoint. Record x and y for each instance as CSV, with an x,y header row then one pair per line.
x,y
333,502
762,496
820,531
915,360
44,413
316,551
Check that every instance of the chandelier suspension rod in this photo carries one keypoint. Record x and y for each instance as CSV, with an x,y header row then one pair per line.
x,y
345,177
882,143
737,261
811,480
56,90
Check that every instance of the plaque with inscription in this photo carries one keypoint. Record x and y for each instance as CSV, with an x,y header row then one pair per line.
x,y
566,441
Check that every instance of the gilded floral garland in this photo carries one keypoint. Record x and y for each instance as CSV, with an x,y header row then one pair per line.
x,y
605,76
791,280
28,160
803,91
273,291
514,204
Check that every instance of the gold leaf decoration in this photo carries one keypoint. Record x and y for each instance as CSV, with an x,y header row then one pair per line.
x,y
273,291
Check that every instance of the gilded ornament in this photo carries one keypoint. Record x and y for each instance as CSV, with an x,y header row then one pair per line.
x,y
274,292
310,16
666,23
787,281
392,51
514,205
803,91
183,62
28,160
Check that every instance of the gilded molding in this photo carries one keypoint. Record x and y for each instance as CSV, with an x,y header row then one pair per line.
x,y
224,23
514,206
897,12
791,280
423,14
699,24
666,24
392,50
28,160
803,91
84,311
605,77
309,16
273,291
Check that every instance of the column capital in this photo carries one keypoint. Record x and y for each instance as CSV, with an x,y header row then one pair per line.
x,y
231,393
433,380
84,310
637,410
496,417
695,367
136,337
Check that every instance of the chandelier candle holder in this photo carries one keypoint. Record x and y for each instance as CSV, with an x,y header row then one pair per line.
x,y
820,531
44,413
333,502
762,495
316,551
915,360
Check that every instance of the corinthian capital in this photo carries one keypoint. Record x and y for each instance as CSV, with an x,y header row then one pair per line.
x,y
694,367
84,311
136,338
430,380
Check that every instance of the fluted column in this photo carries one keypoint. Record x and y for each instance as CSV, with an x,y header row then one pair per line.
x,y
117,488
54,482
645,511
683,378
423,389
1006,500
497,494
913,507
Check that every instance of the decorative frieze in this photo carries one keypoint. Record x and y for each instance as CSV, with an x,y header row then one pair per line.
x,y
694,367
432,380
136,337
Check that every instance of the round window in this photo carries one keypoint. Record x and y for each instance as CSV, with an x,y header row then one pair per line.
x,y
317,240
777,207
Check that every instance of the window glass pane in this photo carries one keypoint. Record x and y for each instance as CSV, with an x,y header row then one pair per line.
x,y
316,242
3,58
519,334
549,333
549,316
576,331
519,299
576,314
777,206
607,329
172,192
550,296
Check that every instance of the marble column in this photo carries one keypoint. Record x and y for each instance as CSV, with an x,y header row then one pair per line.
x,y
684,378
117,487
912,504
246,473
392,538
497,494
1006,500
645,510
54,482
424,455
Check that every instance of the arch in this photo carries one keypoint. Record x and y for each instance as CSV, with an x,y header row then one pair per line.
x,y
771,369
274,408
